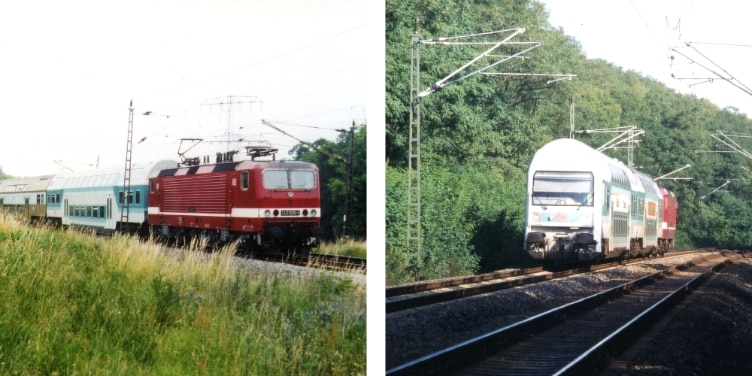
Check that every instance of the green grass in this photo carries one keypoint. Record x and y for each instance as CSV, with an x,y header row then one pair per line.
x,y
344,248
71,303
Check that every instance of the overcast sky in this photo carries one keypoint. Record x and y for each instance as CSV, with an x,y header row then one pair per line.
x,y
69,70
643,35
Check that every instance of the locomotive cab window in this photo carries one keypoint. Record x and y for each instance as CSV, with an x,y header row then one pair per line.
x,y
244,180
289,179
562,188
302,179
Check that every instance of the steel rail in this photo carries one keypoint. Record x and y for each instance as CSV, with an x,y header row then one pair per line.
x,y
416,295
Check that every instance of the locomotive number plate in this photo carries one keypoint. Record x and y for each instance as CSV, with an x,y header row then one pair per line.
x,y
290,212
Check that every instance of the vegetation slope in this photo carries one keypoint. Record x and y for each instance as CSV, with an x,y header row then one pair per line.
x,y
74,304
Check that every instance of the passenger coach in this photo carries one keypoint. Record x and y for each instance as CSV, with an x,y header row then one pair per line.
x,y
95,200
585,206
25,197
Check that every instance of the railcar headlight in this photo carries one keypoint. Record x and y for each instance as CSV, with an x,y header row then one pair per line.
x,y
267,213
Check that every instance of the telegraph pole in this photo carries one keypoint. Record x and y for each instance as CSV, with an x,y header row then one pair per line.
x,y
348,196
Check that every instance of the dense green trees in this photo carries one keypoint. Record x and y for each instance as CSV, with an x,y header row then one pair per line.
x,y
479,135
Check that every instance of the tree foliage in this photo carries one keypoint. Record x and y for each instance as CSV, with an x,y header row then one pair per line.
x,y
478,137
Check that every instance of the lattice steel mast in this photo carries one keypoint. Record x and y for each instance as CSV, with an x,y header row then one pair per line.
x,y
125,212
413,174
414,227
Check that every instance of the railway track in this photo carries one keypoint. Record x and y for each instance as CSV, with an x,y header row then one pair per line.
x,y
576,338
314,260
334,262
415,295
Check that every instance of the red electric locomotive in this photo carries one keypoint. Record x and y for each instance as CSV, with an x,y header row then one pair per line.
x,y
668,228
268,206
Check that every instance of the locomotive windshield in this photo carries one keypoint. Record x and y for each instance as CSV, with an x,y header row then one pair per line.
x,y
289,179
563,188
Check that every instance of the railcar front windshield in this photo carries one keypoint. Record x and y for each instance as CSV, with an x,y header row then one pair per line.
x,y
563,188
289,179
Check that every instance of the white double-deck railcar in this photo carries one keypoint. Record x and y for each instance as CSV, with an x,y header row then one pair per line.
x,y
585,206
96,200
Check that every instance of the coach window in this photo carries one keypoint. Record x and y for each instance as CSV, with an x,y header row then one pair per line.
x,y
121,197
138,197
244,180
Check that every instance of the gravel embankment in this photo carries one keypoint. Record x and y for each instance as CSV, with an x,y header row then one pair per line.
x,y
710,333
256,266
415,333
295,271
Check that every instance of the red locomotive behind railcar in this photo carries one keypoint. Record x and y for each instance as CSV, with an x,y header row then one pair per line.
x,y
269,206
668,228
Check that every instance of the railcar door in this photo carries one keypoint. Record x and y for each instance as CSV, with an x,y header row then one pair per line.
x,y
109,220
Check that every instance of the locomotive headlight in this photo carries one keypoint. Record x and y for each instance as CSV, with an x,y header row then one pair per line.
x,y
313,213
267,213
305,212
276,212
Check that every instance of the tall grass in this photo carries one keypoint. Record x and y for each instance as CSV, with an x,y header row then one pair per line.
x,y
73,304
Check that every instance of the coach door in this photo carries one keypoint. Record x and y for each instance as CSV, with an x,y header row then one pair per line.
x,y
110,222
66,210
